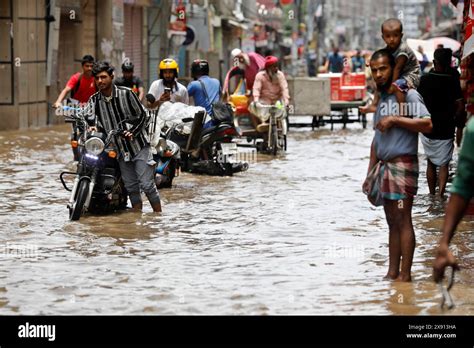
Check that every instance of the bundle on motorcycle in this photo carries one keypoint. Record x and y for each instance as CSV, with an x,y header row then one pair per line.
x,y
166,153
206,143
97,186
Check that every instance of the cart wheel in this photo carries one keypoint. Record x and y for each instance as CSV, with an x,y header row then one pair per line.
x,y
274,141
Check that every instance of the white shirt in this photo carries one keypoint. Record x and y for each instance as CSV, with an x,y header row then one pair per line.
x,y
157,88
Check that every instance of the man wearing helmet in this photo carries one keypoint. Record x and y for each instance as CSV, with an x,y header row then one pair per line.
x,y
270,84
130,80
167,88
205,90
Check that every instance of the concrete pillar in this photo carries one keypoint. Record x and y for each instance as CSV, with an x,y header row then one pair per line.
x,y
110,31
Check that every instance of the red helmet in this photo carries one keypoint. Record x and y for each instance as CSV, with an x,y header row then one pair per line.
x,y
270,60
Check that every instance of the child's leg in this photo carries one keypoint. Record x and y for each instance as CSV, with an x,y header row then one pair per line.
x,y
400,89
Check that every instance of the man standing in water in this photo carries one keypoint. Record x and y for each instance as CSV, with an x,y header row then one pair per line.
x,y
392,179
107,109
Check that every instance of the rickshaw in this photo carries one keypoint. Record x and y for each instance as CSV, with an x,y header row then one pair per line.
x,y
266,137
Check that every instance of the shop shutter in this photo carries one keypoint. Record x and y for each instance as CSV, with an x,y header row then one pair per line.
x,y
133,36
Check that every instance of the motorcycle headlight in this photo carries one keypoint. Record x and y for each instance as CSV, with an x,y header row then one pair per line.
x,y
94,146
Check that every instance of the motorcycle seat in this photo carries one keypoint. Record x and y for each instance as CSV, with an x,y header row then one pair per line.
x,y
212,129
209,130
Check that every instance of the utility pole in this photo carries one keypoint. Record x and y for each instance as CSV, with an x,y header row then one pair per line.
x,y
322,33
165,14
294,37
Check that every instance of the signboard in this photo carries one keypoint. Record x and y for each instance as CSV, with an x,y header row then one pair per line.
x,y
178,17
469,38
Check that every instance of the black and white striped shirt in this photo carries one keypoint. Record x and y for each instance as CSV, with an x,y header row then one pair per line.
x,y
107,112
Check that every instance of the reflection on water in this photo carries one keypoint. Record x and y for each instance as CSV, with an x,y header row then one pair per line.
x,y
293,235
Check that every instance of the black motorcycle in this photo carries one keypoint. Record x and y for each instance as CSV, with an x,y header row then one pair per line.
x,y
98,187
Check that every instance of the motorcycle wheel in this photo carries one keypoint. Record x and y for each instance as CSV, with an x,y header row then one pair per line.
x,y
228,169
76,210
240,167
172,172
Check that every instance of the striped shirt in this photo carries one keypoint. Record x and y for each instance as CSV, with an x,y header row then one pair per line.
x,y
108,112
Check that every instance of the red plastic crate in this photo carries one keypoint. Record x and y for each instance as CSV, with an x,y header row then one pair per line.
x,y
353,79
351,93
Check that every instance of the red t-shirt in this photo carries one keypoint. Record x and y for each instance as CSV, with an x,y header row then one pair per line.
x,y
86,88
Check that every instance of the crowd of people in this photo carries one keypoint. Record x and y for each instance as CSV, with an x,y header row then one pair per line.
x,y
106,101
405,104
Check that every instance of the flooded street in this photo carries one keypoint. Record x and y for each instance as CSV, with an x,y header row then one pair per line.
x,y
292,235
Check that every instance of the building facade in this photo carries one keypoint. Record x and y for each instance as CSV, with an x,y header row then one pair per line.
x,y
42,43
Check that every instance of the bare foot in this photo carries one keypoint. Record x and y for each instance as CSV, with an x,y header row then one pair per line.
x,y
391,276
403,278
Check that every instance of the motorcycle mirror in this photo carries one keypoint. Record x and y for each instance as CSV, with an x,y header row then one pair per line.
x,y
150,98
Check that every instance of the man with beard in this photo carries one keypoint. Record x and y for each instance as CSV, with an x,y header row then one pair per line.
x,y
270,84
130,80
251,63
392,179
107,109
167,88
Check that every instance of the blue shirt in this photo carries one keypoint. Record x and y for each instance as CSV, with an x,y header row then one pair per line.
x,y
398,141
213,89
336,62
358,64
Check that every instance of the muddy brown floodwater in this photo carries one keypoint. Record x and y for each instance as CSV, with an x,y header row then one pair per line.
x,y
292,235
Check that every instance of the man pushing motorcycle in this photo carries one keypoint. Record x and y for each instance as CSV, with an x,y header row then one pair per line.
x,y
113,107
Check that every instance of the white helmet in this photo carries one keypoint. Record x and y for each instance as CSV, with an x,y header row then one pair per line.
x,y
235,52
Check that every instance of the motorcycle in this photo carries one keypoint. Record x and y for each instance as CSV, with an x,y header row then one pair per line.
x,y
166,153
208,150
97,187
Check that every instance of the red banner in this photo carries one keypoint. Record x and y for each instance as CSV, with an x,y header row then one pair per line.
x,y
469,38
